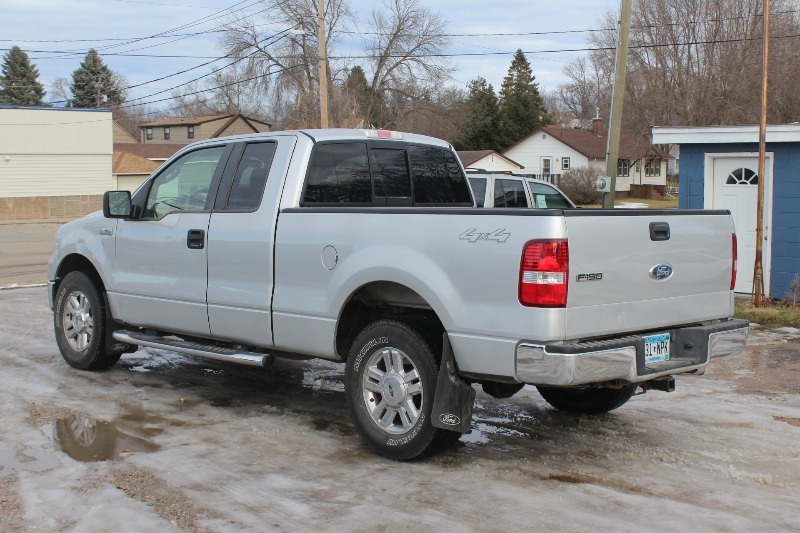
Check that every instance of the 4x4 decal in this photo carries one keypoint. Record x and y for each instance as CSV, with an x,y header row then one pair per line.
x,y
472,235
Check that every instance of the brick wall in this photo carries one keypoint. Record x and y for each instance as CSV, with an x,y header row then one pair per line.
x,y
49,207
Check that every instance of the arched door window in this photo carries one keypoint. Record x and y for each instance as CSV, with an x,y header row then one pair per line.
x,y
742,176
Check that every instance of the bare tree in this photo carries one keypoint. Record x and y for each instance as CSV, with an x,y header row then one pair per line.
x,y
285,56
403,44
59,90
697,62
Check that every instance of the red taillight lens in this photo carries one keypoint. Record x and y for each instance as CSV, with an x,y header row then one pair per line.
x,y
734,261
544,273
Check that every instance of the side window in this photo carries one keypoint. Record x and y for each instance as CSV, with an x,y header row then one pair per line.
x,y
547,197
390,172
184,185
509,193
338,173
438,178
251,176
478,190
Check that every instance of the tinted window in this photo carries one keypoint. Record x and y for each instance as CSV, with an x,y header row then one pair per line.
x,y
438,178
338,173
184,185
509,193
478,190
390,171
547,197
251,176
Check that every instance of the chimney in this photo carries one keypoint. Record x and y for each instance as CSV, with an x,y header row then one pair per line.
x,y
597,123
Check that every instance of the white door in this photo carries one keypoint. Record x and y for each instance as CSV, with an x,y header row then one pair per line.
x,y
547,168
735,187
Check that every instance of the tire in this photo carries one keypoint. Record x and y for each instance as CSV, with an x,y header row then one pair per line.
x,y
587,400
390,382
79,322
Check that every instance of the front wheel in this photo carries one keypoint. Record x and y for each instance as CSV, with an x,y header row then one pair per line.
x,y
390,382
587,400
79,323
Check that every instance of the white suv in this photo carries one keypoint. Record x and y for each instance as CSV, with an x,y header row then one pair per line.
x,y
508,190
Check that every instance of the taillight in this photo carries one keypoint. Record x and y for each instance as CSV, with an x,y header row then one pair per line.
x,y
543,274
734,261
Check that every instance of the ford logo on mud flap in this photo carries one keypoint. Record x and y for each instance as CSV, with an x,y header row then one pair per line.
x,y
449,419
661,272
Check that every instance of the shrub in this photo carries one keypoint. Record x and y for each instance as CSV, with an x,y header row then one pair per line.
x,y
578,185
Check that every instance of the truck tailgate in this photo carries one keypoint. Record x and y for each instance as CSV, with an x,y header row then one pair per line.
x,y
612,255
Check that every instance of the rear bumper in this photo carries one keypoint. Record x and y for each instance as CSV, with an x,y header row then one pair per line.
x,y
623,358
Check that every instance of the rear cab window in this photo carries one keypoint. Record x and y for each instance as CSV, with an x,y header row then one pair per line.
x,y
478,190
384,173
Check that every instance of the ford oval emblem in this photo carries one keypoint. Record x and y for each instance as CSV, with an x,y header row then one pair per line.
x,y
661,272
450,419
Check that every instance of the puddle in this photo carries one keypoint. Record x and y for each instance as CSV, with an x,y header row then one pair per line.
x,y
87,439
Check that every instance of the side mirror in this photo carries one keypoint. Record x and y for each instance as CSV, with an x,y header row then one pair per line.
x,y
117,204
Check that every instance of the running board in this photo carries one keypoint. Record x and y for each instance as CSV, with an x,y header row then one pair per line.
x,y
217,353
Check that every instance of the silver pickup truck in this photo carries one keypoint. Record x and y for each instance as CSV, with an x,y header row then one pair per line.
x,y
365,247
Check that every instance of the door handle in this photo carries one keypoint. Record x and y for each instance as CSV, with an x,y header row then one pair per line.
x,y
196,239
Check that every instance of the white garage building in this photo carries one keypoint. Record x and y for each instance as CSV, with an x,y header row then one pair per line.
x,y
55,163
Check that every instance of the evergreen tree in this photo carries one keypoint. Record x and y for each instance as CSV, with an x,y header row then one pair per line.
x,y
357,95
482,129
94,84
19,82
521,107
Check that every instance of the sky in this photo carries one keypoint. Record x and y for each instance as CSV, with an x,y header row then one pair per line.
x,y
58,33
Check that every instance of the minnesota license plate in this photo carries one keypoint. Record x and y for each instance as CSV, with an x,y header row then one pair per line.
x,y
656,348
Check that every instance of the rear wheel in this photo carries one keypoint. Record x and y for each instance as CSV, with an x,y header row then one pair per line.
x,y
587,400
390,383
79,323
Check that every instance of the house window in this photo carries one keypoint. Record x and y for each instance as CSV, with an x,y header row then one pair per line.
x,y
166,133
565,163
653,167
190,132
623,167
148,132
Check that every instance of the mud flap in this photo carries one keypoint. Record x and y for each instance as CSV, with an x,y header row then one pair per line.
x,y
454,398
112,345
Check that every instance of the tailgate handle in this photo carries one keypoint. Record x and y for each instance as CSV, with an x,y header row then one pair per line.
x,y
659,231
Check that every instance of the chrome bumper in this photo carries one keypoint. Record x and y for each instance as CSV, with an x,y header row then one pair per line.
x,y
623,359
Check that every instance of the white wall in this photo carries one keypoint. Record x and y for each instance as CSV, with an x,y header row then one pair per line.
x,y
529,153
55,152
495,163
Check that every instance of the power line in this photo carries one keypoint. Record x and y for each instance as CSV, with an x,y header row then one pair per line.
x,y
209,89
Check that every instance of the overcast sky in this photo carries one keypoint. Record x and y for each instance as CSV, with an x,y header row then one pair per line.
x,y
98,22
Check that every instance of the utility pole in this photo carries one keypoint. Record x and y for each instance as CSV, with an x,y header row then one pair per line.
x,y
758,267
617,96
323,65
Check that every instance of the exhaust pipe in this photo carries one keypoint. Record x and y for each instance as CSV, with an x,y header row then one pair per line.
x,y
666,384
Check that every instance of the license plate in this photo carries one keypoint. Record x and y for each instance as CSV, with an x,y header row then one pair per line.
x,y
656,348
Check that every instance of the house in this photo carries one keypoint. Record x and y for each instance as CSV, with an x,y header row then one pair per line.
x,y
488,160
55,162
185,130
123,136
133,163
552,150
719,170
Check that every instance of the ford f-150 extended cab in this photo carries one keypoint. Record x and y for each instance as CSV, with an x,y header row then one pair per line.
x,y
365,247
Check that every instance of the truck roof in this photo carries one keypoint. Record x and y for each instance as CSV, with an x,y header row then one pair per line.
x,y
336,134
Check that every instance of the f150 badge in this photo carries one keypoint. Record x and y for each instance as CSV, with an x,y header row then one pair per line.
x,y
473,235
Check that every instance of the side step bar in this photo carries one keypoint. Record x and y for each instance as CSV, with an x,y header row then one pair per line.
x,y
217,353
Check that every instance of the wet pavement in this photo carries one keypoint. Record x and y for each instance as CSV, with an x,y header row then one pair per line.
x,y
170,443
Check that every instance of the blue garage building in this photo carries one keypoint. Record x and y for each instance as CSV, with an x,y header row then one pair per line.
x,y
719,170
